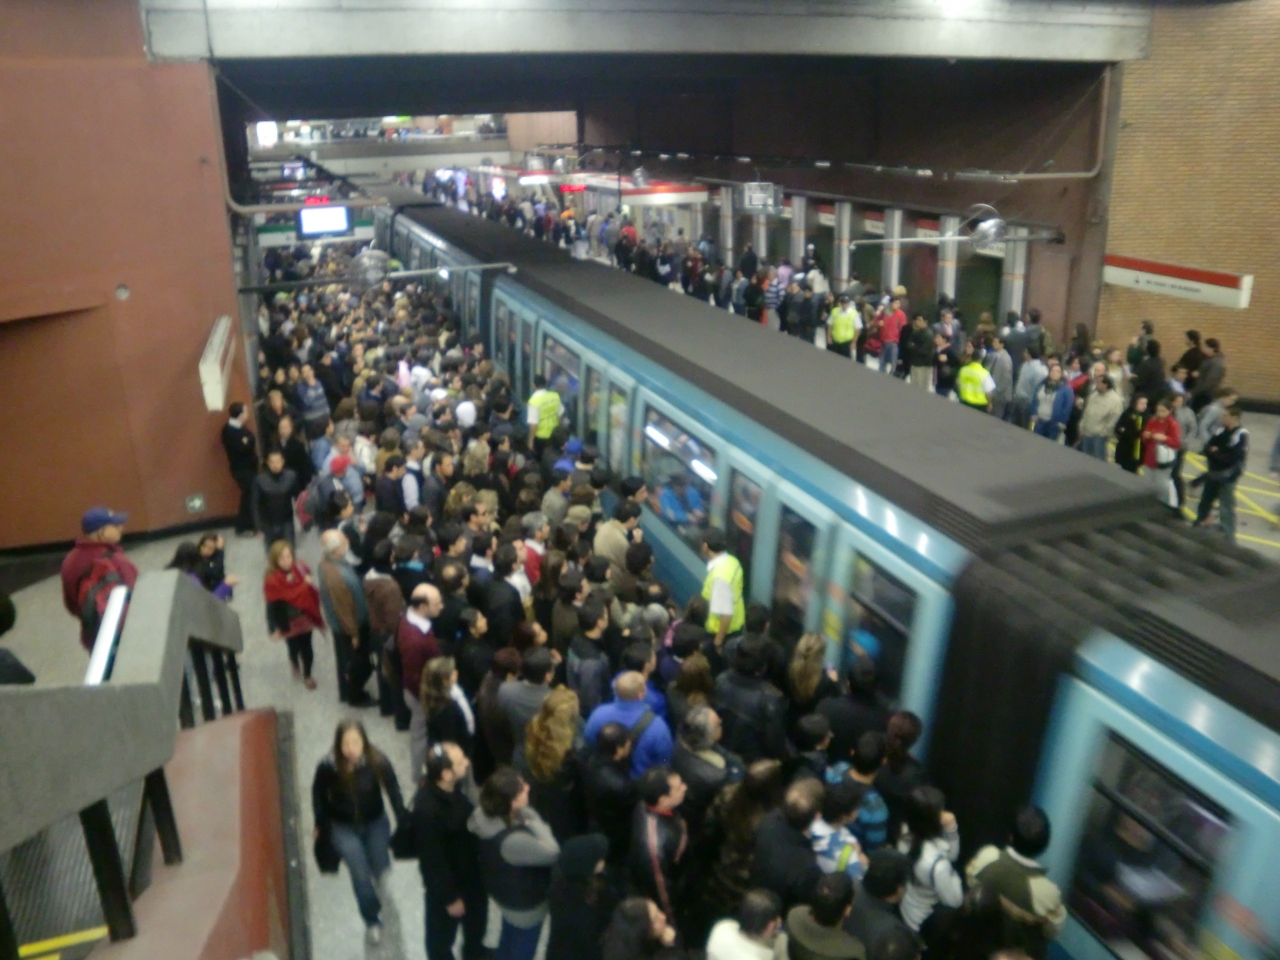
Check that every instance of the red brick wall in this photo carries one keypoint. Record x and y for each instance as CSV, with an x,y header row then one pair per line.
x,y
1194,180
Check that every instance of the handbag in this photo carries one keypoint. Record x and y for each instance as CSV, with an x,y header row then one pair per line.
x,y
404,844
325,852
1165,455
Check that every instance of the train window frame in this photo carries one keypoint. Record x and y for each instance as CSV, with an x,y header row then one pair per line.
x,y
501,323
573,398
781,629
593,392
618,433
691,535
527,351
855,596
1121,757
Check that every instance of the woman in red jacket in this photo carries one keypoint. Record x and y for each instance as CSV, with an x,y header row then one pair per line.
x,y
1161,440
293,607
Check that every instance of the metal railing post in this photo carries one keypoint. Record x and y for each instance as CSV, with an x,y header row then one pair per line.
x,y
186,709
108,870
156,789
233,668
201,667
220,676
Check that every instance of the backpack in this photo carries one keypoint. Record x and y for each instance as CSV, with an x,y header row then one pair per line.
x,y
94,592
315,500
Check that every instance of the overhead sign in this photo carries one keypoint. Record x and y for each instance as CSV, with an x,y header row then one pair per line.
x,y
761,197
1232,290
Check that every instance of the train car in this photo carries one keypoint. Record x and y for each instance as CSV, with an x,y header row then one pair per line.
x,y
1004,585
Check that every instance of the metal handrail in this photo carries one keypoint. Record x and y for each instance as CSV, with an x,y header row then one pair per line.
x,y
66,747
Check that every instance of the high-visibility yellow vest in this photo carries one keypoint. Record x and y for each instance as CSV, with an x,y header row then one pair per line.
x,y
969,384
726,567
842,324
547,403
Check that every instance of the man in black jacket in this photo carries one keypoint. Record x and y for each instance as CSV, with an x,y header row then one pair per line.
x,y
752,709
503,605
658,837
271,501
784,859
449,855
611,793
242,456
703,764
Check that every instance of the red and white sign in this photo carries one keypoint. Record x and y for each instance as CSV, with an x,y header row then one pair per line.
x,y
1190,283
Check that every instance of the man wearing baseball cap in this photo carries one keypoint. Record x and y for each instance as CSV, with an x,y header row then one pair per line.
x,y
95,564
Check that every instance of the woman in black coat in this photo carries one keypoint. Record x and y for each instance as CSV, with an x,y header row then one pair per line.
x,y
449,716
581,901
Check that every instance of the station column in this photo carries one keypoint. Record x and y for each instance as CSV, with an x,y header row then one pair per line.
x,y
948,250
696,226
1013,281
760,226
844,233
891,263
726,227
799,210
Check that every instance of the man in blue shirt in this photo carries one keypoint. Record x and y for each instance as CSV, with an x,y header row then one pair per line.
x,y
681,503
650,735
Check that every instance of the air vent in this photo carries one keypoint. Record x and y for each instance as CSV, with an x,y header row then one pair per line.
x,y
1174,646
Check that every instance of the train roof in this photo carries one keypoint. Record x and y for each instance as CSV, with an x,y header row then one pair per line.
x,y
980,481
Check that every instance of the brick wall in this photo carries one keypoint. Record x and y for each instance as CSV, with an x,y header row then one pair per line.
x,y
1195,182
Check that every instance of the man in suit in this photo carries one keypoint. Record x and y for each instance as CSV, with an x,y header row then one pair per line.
x,y
242,457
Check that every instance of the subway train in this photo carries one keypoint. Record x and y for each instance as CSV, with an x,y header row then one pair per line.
x,y
1063,640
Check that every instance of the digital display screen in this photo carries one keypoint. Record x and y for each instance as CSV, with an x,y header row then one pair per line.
x,y
323,221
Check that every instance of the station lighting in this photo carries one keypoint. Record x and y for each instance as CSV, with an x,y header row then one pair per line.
x,y
657,436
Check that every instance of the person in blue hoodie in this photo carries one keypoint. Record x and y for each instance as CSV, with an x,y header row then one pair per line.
x,y
639,658
1054,401
650,735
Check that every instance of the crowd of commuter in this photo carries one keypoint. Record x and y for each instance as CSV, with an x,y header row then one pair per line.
x,y
648,780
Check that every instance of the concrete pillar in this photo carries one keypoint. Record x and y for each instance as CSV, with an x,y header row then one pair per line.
x,y
695,223
891,263
799,221
760,228
948,250
1013,282
844,233
727,248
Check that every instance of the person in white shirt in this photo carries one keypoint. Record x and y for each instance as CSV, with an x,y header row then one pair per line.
x,y
754,935
931,841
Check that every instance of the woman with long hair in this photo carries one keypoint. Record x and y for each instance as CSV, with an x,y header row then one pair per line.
x,y
808,681
730,830
931,842
693,686
449,715
551,761
211,568
293,607
346,799
517,851
639,930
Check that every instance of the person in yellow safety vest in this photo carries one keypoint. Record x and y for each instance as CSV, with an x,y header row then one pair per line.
x,y
974,382
722,588
845,321
542,413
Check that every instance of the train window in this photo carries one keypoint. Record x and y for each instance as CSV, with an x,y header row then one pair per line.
x,y
502,316
744,504
526,358
595,387
680,472
878,612
563,370
793,579
1146,863
509,354
619,423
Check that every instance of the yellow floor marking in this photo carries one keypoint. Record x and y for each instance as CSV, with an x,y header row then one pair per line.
x,y
41,947
1261,512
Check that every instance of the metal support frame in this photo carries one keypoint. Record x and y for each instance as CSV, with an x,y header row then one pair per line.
x,y
728,250
201,667
891,262
844,233
948,251
760,229
233,671
156,790
220,677
108,870
799,224
8,936
1013,281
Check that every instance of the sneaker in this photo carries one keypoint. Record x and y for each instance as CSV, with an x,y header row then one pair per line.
x,y
373,935
309,683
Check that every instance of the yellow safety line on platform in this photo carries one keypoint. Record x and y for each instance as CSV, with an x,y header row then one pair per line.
x,y
1261,512
1269,543
41,947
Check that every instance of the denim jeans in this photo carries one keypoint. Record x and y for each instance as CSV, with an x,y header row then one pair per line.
x,y
1048,429
365,849
1095,447
888,357
1225,495
517,943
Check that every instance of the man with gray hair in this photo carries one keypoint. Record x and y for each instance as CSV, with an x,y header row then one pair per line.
x,y
537,531
702,763
343,602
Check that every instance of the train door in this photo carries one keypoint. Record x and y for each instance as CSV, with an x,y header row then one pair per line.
x,y
525,357
471,303
750,507
617,426
798,544
878,605
593,407
1157,852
